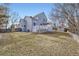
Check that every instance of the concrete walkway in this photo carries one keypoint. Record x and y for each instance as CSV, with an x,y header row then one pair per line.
x,y
75,36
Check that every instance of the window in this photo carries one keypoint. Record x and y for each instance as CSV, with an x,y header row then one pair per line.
x,y
28,30
40,24
24,25
43,19
34,24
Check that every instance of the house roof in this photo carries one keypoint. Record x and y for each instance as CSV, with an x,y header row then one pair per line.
x,y
40,14
34,17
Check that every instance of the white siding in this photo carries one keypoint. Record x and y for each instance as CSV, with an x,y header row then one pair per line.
x,y
35,24
29,23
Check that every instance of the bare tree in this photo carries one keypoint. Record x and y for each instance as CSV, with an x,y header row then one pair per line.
x,y
67,12
14,19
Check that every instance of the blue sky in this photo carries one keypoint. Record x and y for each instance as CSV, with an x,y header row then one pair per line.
x,y
30,9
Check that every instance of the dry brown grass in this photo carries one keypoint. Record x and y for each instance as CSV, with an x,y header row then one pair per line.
x,y
44,44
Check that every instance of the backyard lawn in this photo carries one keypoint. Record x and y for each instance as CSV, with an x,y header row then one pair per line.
x,y
34,44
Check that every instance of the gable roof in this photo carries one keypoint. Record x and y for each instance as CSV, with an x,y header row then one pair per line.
x,y
34,17
40,14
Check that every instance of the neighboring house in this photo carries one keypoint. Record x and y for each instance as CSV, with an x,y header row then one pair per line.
x,y
38,23
60,25
17,27
26,24
63,26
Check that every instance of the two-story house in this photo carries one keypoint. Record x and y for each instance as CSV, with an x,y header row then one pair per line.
x,y
37,23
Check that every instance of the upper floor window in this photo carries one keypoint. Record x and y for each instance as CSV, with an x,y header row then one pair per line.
x,y
44,20
24,25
